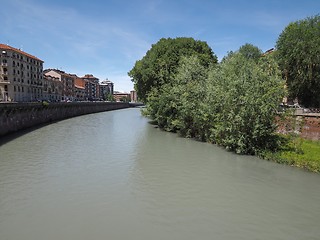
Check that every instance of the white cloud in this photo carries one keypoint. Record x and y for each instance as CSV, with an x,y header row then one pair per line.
x,y
73,40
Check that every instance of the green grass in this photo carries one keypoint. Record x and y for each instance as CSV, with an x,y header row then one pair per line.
x,y
297,152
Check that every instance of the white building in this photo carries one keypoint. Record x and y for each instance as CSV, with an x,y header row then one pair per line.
x,y
21,78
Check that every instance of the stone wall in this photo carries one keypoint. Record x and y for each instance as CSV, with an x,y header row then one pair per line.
x,y
18,116
311,128
307,126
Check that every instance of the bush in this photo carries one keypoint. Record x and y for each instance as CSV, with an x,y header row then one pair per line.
x,y
233,104
244,95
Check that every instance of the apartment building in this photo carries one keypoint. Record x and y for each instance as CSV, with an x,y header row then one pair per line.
x,y
92,87
105,88
80,89
52,89
67,81
21,78
122,97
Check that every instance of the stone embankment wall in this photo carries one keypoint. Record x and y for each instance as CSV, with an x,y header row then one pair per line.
x,y
310,128
18,116
306,125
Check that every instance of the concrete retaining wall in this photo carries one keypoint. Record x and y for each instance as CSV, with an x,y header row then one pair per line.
x,y
18,116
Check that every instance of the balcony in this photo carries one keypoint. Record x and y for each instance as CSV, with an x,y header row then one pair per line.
x,y
4,79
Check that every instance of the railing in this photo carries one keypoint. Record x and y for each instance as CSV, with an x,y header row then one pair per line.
x,y
308,112
4,81
314,110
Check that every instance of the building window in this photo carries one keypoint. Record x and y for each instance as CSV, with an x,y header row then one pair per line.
x,y
14,88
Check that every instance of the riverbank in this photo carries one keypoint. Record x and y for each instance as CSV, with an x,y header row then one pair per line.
x,y
298,152
19,116
300,141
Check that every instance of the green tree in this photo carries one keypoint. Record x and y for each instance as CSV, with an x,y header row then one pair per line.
x,y
109,97
191,79
160,63
233,103
176,106
125,99
244,95
250,51
298,49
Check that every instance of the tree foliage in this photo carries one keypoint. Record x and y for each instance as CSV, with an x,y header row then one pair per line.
x,y
160,63
174,105
232,104
299,58
250,51
109,97
245,95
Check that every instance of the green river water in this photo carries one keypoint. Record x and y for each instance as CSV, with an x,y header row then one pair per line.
x,y
112,175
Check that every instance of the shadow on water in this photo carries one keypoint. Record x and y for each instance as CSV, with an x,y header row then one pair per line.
x,y
14,135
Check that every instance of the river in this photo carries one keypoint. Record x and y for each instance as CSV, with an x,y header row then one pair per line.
x,y
112,175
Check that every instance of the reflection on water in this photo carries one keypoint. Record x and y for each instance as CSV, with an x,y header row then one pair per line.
x,y
112,175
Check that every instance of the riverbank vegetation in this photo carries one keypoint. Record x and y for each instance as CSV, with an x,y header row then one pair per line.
x,y
298,50
232,103
297,152
159,65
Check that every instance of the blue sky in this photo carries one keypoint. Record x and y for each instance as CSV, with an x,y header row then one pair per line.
x,y
106,37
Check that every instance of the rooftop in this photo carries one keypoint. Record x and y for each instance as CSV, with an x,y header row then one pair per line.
x,y
7,47
89,76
